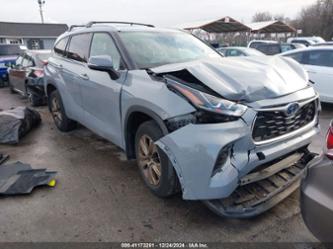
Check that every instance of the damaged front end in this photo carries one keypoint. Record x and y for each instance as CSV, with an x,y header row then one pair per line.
x,y
240,158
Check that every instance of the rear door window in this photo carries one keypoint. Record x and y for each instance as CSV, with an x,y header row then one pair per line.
x,y
79,47
60,47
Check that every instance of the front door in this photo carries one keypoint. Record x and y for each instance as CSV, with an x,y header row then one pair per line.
x,y
101,94
319,65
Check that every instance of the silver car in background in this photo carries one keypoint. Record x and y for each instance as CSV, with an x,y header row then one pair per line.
x,y
233,132
317,194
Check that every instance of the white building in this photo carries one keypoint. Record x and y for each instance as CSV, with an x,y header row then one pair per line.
x,y
31,35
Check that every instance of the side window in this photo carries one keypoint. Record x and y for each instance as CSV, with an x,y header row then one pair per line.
x,y
102,44
234,52
297,57
286,47
79,47
60,47
321,58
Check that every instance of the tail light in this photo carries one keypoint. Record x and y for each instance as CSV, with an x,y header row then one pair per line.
x,y
39,73
329,142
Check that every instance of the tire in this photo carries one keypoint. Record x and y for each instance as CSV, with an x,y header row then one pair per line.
x,y
57,110
35,100
166,183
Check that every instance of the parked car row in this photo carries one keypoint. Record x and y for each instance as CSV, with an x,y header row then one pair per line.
x,y
273,47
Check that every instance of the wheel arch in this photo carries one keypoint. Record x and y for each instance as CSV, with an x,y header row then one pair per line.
x,y
135,116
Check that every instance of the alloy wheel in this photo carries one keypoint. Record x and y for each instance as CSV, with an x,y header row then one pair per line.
x,y
149,160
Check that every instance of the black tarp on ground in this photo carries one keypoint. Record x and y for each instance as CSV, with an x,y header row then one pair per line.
x,y
16,123
20,178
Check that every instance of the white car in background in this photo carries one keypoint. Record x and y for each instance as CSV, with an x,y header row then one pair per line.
x,y
318,62
307,40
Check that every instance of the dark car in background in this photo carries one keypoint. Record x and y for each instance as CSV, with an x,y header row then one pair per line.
x,y
317,194
272,47
8,55
26,77
239,51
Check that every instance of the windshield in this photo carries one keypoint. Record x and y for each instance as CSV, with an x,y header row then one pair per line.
x,y
152,49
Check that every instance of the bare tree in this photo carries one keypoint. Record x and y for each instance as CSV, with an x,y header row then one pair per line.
x,y
317,19
262,16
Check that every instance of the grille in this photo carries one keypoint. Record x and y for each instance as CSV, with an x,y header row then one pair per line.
x,y
272,124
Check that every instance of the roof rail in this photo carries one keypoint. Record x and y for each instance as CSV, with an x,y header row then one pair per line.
x,y
75,26
89,24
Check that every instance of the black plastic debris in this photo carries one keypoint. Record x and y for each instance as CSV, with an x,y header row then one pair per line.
x,y
19,178
16,123
3,158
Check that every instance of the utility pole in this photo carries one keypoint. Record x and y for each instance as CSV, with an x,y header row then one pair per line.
x,y
41,4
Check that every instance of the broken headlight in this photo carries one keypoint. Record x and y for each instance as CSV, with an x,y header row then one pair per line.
x,y
210,109
208,102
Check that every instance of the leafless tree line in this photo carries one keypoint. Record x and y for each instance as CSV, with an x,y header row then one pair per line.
x,y
315,20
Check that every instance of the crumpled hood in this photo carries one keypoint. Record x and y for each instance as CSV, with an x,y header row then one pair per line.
x,y
245,79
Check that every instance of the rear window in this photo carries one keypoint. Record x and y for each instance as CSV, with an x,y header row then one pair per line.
x,y
79,47
269,49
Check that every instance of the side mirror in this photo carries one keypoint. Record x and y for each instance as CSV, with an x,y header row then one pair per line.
x,y
103,63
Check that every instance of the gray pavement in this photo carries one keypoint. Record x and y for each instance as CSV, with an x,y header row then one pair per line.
x,y
100,197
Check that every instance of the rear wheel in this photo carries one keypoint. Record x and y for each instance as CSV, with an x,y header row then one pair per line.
x,y
154,165
57,110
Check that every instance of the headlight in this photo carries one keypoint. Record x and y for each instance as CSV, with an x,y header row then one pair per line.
x,y
207,102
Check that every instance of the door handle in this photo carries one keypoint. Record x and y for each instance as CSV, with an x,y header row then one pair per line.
x,y
84,76
311,72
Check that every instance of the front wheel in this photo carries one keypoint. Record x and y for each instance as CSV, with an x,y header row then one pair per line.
x,y
154,165
57,110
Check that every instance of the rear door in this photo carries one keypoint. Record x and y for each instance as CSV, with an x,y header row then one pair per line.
x,y
72,65
101,94
319,65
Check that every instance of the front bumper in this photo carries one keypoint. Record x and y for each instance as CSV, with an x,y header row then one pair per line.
x,y
317,199
194,150
264,189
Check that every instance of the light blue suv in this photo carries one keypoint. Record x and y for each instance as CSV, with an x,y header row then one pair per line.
x,y
233,132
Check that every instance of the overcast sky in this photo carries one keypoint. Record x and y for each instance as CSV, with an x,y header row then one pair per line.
x,y
158,12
